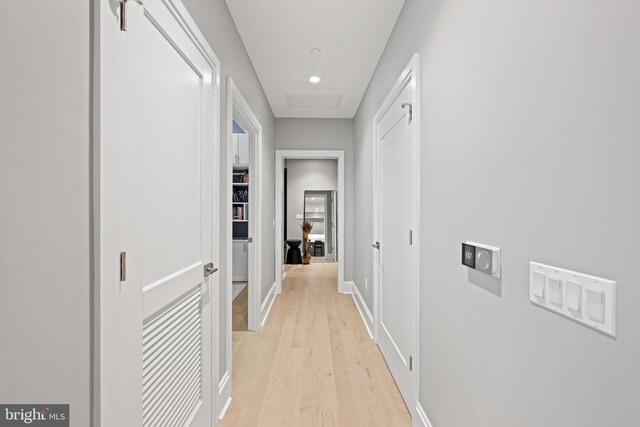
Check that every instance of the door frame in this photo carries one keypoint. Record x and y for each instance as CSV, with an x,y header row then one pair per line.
x,y
410,76
281,156
105,249
238,108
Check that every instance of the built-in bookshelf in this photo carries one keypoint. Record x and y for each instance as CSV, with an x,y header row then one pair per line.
x,y
240,202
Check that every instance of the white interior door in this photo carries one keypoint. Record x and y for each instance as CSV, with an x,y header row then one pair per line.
x,y
396,256
165,224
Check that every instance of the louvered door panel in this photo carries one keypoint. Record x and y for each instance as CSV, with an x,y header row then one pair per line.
x,y
172,363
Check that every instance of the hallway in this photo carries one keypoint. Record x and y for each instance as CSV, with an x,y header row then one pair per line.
x,y
313,363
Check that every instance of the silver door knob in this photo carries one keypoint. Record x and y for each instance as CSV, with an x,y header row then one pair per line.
x,y
209,269
376,245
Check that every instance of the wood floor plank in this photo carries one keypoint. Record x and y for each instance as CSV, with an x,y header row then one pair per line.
x,y
313,363
240,311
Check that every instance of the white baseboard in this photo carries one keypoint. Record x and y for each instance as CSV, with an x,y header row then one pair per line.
x,y
367,318
268,303
224,409
422,416
224,394
347,286
223,382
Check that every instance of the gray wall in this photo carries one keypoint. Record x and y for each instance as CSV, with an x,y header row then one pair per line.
x,y
305,175
325,134
540,100
45,242
215,22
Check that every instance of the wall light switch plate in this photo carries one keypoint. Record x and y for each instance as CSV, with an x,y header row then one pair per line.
x,y
586,299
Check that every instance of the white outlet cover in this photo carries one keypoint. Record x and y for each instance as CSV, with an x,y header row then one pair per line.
x,y
570,283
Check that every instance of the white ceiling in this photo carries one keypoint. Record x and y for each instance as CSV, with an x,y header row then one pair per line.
x,y
278,35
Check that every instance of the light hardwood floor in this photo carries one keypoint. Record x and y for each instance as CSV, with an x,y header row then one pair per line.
x,y
313,363
240,311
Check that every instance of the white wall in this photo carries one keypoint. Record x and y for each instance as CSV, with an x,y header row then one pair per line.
x,y
215,22
45,241
325,134
305,175
530,122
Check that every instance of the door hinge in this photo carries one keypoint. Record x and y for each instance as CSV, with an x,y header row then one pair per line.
x,y
411,363
410,237
123,15
408,104
123,266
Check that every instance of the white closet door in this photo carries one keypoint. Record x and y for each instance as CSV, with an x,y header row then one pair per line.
x,y
166,177
397,279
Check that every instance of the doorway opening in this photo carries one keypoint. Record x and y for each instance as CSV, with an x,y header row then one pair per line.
x,y
241,180
327,245
243,219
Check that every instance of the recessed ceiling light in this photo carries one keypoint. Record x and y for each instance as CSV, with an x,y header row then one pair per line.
x,y
315,51
314,79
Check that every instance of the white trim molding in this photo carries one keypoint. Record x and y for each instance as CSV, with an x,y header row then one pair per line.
x,y
224,381
265,308
422,417
224,394
224,409
348,286
281,156
367,317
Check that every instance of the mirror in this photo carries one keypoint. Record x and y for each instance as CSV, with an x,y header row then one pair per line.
x,y
318,210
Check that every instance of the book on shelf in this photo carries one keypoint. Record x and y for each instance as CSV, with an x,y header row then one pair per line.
x,y
240,196
240,178
239,213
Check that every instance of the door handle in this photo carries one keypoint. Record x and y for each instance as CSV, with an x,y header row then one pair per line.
x,y
376,245
209,269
